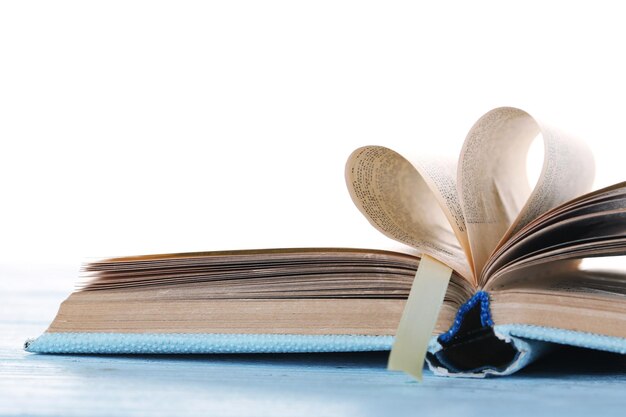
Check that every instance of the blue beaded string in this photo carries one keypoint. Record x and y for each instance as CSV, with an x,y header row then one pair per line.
x,y
481,297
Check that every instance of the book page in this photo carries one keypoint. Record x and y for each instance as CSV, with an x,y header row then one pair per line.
x,y
493,187
601,233
564,308
600,202
440,176
398,201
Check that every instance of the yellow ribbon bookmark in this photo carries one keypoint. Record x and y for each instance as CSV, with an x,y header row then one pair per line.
x,y
419,317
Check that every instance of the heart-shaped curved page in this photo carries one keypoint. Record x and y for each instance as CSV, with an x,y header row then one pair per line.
x,y
403,203
495,196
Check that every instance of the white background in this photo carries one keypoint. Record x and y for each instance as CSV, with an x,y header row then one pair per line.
x,y
142,127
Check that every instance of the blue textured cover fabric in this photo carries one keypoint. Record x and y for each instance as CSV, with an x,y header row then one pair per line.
x,y
530,341
181,343
565,337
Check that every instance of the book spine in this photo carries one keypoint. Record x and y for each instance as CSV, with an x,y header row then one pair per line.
x,y
481,299
471,345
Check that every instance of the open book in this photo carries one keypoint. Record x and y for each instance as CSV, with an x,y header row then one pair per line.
x,y
515,255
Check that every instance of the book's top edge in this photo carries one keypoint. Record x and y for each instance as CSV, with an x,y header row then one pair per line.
x,y
270,252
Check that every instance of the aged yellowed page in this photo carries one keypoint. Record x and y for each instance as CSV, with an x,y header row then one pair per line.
x,y
587,226
439,173
398,201
493,188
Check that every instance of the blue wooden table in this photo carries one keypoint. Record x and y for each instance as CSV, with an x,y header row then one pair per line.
x,y
575,381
